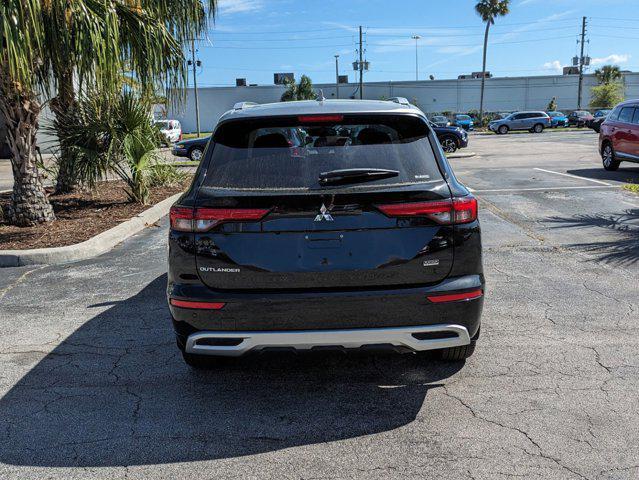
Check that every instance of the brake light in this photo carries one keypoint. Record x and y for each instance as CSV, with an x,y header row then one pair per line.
x,y
320,118
197,305
455,297
204,219
446,212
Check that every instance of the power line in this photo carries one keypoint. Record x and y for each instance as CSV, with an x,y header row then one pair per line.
x,y
277,48
474,44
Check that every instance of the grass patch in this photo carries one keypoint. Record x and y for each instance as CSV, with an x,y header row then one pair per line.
x,y
189,136
632,187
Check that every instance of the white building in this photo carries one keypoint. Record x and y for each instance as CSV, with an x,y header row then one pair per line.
x,y
501,95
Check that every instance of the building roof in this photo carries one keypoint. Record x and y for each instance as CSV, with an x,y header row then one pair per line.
x,y
310,107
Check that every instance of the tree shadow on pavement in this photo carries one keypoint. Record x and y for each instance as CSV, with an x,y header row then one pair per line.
x,y
116,393
624,174
621,250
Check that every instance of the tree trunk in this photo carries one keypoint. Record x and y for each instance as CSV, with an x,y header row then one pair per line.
x,y
29,203
64,102
483,75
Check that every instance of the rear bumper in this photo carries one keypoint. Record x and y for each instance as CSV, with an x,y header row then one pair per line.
x,y
417,338
326,310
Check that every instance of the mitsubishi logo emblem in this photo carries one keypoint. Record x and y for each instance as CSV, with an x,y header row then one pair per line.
x,y
323,215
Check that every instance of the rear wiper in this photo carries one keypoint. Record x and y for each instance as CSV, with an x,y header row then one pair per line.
x,y
355,175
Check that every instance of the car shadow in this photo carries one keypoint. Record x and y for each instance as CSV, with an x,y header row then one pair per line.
x,y
116,393
622,250
627,173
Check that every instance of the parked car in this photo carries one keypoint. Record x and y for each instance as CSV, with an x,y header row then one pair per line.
x,y
598,119
193,148
171,129
558,119
532,121
579,118
619,135
440,121
268,250
450,138
464,121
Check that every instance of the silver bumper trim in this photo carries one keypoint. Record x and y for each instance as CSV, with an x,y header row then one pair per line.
x,y
308,339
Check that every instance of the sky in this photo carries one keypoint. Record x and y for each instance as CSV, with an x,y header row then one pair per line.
x,y
253,39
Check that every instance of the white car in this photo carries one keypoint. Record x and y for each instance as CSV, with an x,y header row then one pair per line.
x,y
171,129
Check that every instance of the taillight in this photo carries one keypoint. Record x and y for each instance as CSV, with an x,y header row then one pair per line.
x,y
445,212
204,219
455,297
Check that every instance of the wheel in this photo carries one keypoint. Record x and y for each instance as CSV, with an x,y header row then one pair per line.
x,y
449,145
456,354
195,154
608,158
503,130
538,128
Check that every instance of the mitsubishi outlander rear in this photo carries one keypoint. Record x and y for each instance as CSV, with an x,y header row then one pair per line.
x,y
325,224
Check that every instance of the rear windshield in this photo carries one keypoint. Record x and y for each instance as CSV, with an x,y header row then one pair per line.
x,y
290,153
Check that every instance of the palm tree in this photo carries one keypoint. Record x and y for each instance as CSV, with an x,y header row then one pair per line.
x,y
22,41
69,44
488,10
300,91
608,74
143,38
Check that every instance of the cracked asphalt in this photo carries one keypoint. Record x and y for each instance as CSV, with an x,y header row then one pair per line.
x,y
92,385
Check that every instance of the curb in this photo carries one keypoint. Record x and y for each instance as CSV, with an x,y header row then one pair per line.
x,y
101,243
462,155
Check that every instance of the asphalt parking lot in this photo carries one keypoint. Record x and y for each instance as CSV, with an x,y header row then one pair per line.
x,y
92,385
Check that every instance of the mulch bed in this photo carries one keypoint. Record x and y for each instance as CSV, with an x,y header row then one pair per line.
x,y
80,216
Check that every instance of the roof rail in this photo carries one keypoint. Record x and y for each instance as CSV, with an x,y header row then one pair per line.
x,y
400,100
243,105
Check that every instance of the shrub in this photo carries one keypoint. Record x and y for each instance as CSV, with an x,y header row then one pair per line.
x,y
606,95
111,133
165,175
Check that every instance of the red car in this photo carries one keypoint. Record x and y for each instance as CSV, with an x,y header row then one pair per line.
x,y
619,135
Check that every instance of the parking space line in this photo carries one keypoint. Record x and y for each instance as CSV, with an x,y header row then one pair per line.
x,y
573,176
541,189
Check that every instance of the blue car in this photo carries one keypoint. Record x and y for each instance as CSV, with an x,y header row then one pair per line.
x,y
463,121
558,119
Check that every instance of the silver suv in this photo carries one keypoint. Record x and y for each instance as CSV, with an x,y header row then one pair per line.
x,y
533,121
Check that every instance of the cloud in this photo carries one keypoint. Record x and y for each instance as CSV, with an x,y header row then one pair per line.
x,y
229,7
555,66
613,58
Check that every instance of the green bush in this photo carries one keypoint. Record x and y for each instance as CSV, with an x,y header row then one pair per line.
x,y
606,95
165,175
111,134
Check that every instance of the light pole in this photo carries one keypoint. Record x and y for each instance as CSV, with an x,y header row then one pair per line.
x,y
337,76
416,38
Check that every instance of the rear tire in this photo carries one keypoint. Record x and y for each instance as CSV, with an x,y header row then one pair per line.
x,y
449,145
502,130
538,128
608,159
456,354
195,154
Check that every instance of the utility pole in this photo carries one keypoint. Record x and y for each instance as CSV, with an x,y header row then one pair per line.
x,y
416,38
361,65
197,104
581,62
337,76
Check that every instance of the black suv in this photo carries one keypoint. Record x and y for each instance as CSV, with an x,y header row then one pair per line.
x,y
451,138
355,235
